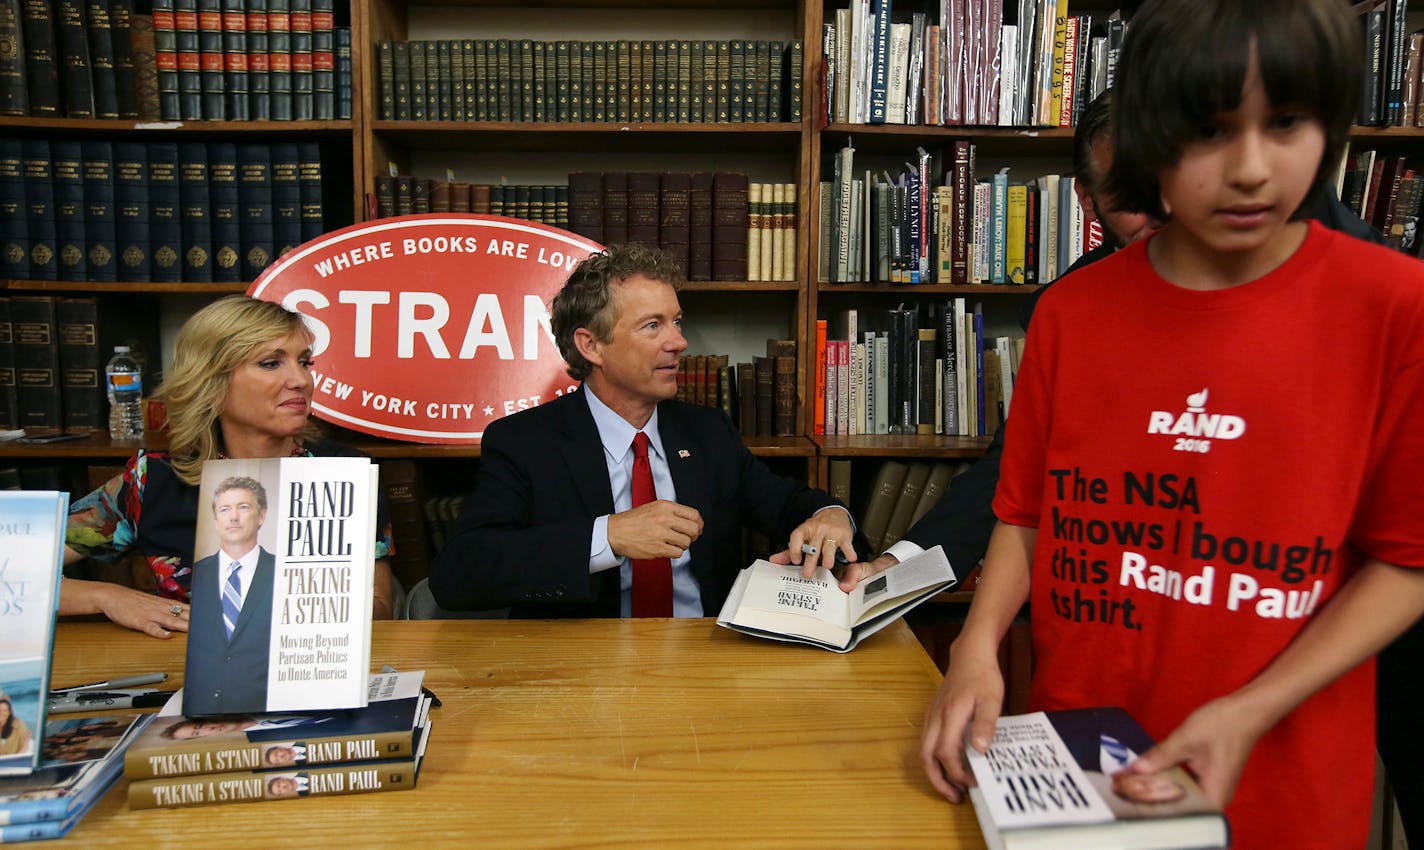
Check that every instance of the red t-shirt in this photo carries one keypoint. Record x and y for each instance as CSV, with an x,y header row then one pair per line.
x,y
1205,469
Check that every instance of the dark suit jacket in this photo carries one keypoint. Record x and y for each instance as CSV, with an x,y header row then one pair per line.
x,y
523,540
225,676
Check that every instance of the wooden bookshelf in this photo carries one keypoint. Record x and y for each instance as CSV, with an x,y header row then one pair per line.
x,y
79,287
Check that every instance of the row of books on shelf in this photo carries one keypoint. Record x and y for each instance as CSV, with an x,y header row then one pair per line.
x,y
975,62
897,495
719,226
899,227
1392,65
671,81
760,396
406,195
913,370
1386,192
189,60
154,211
52,356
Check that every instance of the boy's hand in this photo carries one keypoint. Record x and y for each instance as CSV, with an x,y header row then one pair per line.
x,y
970,697
1213,741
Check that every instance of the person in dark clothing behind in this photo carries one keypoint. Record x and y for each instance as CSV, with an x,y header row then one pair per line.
x,y
962,520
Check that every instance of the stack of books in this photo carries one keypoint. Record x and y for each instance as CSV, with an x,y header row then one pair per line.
x,y
181,761
81,758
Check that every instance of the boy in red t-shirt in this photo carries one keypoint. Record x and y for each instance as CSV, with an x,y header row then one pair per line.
x,y
1214,482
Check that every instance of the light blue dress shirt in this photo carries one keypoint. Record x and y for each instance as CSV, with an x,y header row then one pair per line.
x,y
617,434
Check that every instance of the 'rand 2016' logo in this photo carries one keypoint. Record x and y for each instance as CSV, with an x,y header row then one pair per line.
x,y
1194,428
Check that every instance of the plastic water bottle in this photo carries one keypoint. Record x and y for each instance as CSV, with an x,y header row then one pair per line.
x,y
125,383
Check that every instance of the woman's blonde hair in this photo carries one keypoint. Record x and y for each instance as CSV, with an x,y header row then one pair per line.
x,y
210,345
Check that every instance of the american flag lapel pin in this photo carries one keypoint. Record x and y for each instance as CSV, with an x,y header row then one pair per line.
x,y
684,453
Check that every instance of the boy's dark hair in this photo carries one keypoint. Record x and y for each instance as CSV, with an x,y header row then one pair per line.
x,y
586,299
1184,63
1093,126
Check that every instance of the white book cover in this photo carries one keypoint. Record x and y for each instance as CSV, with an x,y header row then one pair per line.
x,y
1008,73
31,555
292,631
882,380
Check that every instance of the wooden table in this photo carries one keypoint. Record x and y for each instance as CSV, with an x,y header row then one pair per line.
x,y
597,733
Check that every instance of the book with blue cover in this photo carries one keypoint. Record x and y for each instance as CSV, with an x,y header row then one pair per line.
x,y
31,554
82,758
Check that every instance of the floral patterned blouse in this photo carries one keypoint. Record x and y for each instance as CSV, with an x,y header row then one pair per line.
x,y
147,508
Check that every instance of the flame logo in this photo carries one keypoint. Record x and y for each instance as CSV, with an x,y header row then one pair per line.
x,y
1196,402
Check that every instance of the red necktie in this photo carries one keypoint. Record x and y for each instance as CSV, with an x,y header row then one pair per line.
x,y
652,577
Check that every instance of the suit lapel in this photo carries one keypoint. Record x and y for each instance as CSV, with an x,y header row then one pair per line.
x,y
583,453
685,462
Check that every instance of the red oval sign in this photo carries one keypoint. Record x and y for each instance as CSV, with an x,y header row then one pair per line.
x,y
429,327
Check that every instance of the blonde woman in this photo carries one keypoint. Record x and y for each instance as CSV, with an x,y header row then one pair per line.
x,y
240,387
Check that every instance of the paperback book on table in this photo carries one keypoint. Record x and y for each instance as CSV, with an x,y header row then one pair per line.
x,y
774,601
383,729
83,757
31,555
1054,780
292,630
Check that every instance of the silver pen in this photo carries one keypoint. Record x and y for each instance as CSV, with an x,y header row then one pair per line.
x,y
122,682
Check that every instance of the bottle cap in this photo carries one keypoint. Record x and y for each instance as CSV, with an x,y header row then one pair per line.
x,y
121,349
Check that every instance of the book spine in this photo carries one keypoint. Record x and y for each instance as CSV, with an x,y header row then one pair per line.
x,y
223,212
303,106
68,172
206,759
254,186
165,228
36,355
145,68
9,397
236,66
699,212
39,223
194,206
99,221
643,214
190,60
40,81
615,208
14,225
212,70
400,68
131,210
101,58
729,226
121,48
313,222
279,59
674,220
73,42
323,59
82,391
261,785
342,69
259,61
165,57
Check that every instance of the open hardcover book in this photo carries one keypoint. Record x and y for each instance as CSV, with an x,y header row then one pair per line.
x,y
773,601
31,553
1047,783
282,580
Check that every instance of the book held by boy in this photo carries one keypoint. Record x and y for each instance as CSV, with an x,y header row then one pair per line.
x,y
384,729
1054,780
773,601
282,580
31,554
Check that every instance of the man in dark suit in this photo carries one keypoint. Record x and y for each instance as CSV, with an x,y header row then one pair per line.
x,y
229,636
616,500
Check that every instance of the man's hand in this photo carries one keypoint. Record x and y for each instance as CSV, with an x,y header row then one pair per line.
x,y
660,529
853,574
826,531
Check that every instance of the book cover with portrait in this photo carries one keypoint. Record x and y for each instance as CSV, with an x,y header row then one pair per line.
x,y
31,555
1055,779
283,570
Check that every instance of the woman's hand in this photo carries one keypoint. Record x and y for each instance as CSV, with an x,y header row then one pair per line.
x,y
155,616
